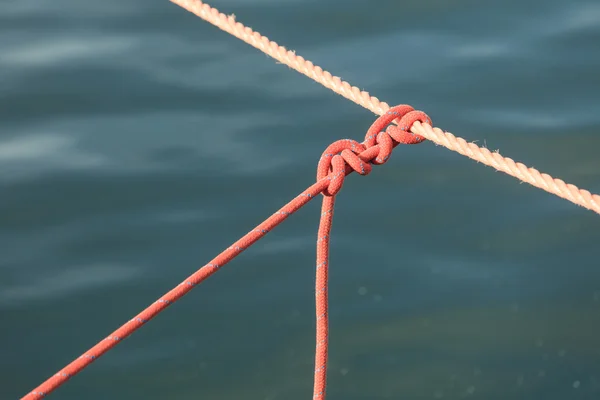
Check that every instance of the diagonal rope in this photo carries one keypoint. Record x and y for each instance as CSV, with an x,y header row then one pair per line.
x,y
176,293
339,159
518,170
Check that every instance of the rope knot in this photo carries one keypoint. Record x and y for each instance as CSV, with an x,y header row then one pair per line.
x,y
335,166
405,116
346,155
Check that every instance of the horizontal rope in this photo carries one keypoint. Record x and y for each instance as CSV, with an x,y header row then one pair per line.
x,y
520,171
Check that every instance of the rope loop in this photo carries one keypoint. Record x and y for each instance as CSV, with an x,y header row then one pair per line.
x,y
334,165
401,133
346,155
405,116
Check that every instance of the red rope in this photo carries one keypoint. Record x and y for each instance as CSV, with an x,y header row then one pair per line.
x,y
331,171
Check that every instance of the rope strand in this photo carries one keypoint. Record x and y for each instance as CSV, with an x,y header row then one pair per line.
x,y
520,171
339,159
176,293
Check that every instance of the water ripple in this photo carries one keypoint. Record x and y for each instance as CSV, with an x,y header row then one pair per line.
x,y
65,282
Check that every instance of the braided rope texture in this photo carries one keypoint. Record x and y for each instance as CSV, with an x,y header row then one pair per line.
x,y
175,294
339,159
520,171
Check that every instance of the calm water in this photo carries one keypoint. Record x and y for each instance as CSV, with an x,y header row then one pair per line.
x,y
137,142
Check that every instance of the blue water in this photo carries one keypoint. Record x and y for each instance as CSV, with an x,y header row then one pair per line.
x,y
137,142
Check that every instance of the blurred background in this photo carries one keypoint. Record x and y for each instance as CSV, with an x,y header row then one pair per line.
x,y
137,142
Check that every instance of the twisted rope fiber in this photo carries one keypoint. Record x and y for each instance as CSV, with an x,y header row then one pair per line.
x,y
331,171
518,170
